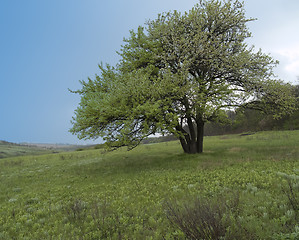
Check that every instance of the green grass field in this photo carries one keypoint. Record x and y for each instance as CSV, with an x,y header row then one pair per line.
x,y
131,195
8,149
12,150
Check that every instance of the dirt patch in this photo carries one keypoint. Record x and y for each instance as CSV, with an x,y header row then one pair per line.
x,y
235,149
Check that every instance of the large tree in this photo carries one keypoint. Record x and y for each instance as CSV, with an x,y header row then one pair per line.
x,y
175,74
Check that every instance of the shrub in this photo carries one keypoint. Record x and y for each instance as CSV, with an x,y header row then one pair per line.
x,y
291,190
199,219
210,218
76,210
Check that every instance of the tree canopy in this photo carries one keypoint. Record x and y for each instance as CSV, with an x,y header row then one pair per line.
x,y
176,73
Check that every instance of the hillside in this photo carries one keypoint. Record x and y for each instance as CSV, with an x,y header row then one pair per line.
x,y
8,149
241,186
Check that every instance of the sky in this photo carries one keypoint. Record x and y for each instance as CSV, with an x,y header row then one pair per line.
x,y
47,46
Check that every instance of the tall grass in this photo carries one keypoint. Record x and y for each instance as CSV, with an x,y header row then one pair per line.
x,y
122,195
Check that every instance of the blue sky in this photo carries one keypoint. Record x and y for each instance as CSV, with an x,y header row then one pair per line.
x,y
47,46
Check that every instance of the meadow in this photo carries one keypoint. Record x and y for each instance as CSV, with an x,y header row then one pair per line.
x,y
8,149
241,187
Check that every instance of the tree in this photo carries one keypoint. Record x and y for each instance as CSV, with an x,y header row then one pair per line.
x,y
180,70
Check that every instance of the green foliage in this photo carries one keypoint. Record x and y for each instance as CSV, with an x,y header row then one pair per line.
x,y
180,69
246,120
121,195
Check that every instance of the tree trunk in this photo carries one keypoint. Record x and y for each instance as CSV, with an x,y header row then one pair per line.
x,y
184,144
191,144
200,133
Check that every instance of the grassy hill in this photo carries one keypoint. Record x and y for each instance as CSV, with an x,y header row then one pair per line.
x,y
8,149
241,187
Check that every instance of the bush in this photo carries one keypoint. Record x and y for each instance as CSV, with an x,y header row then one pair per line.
x,y
291,190
210,218
199,219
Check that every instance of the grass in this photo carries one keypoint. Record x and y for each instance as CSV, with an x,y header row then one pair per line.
x,y
11,150
8,149
122,195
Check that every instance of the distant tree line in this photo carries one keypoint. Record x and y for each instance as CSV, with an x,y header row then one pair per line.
x,y
244,120
248,120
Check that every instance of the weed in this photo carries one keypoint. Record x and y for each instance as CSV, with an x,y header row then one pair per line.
x,y
76,210
107,222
